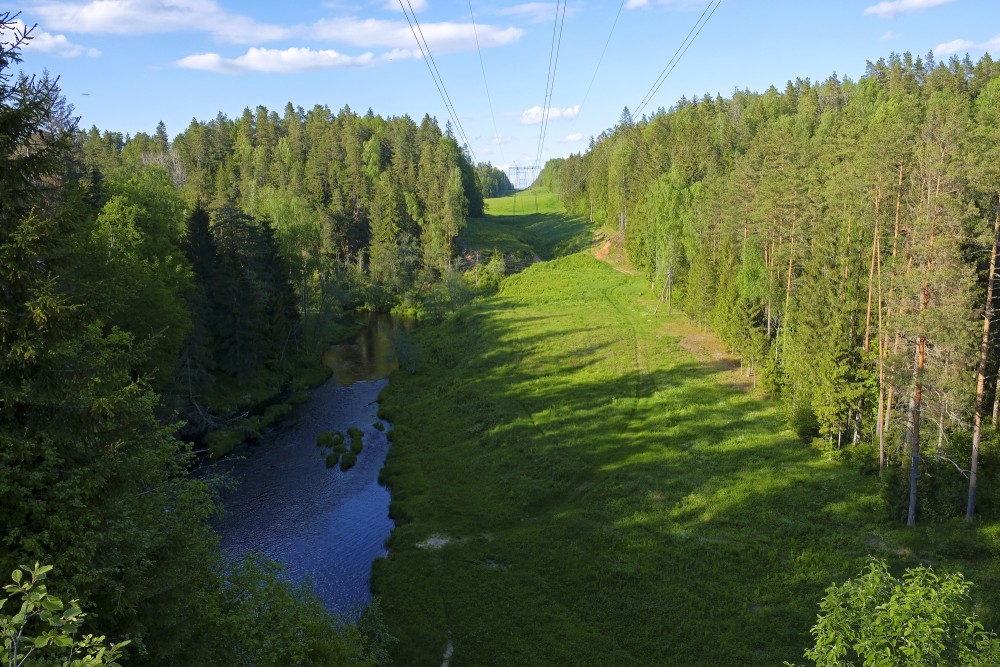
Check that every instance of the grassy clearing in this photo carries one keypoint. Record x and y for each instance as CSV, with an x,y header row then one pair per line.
x,y
528,224
576,482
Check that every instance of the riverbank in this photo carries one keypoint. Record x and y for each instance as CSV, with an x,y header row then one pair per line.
x,y
290,501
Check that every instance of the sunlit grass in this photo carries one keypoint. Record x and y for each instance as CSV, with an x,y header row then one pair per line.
x,y
614,500
528,224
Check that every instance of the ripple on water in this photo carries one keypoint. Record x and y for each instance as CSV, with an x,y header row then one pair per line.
x,y
322,523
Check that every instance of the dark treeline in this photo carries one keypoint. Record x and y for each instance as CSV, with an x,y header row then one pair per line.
x,y
839,237
151,288
272,226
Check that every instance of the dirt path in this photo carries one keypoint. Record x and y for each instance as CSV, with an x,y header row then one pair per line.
x,y
707,348
606,251
704,345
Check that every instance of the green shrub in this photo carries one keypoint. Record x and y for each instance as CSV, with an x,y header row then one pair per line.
x,y
332,439
357,438
379,426
275,413
331,459
312,376
803,421
347,460
922,618
222,441
299,398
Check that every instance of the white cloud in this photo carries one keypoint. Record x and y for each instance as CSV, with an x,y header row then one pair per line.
x,y
442,37
954,46
889,36
966,45
416,5
55,44
401,54
683,5
573,138
139,17
142,17
891,8
533,116
535,12
274,61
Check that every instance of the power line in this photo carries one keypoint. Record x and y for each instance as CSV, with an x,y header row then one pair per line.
x,y
601,59
551,79
482,66
425,50
678,54
667,70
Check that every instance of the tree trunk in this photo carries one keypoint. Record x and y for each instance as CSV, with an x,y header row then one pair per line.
x,y
670,288
941,418
879,426
925,297
788,283
977,422
911,516
871,268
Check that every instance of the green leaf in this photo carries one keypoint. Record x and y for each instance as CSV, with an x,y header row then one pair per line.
x,y
17,575
52,603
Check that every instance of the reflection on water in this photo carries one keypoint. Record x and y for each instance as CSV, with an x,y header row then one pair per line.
x,y
322,523
372,355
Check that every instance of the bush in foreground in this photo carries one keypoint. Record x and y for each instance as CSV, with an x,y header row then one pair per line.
x,y
922,618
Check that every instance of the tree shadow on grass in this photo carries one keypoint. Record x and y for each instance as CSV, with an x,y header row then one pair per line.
x,y
611,500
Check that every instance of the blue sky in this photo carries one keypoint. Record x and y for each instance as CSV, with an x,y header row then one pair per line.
x,y
127,64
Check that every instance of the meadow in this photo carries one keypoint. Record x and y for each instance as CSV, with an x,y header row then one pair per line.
x,y
530,223
578,478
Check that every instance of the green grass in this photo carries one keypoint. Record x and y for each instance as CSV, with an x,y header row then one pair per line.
x,y
610,498
526,224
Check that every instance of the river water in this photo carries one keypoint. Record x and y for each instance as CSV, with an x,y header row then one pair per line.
x,y
321,523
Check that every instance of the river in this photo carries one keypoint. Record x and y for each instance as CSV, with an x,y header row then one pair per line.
x,y
322,523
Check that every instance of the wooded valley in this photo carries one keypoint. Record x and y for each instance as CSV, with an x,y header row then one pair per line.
x,y
585,455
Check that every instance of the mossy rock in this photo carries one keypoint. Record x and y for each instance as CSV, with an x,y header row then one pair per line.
x,y
331,459
340,447
378,426
347,460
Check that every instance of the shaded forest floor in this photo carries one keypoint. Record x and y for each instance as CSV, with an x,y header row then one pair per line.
x,y
577,480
